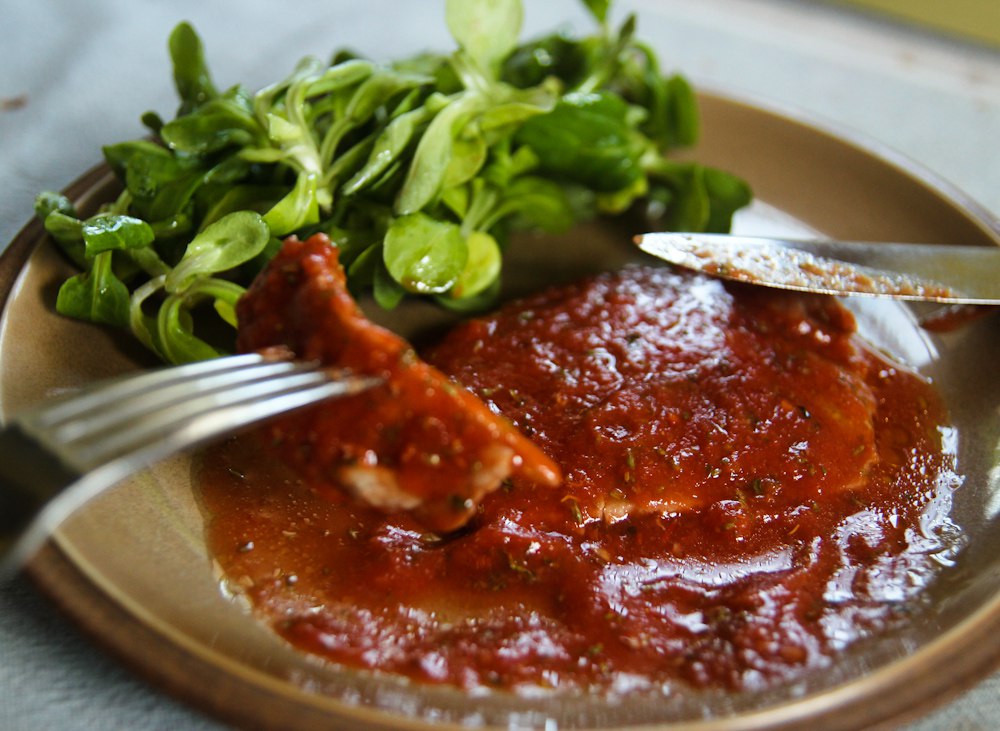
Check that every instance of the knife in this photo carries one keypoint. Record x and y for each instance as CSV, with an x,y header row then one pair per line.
x,y
930,272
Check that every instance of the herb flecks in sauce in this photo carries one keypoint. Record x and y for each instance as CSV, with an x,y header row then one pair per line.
x,y
783,485
416,442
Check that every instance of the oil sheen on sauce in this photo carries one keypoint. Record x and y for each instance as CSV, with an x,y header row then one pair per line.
x,y
747,491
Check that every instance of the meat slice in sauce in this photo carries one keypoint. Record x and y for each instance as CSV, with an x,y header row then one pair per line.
x,y
663,394
420,442
748,491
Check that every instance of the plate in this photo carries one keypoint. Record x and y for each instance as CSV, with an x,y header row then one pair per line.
x,y
133,570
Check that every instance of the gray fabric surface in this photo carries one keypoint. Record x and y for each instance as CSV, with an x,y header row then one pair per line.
x,y
74,76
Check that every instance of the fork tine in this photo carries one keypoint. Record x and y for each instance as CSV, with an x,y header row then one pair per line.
x,y
229,419
164,393
56,458
129,385
226,410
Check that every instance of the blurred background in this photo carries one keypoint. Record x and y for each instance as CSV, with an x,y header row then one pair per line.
x,y
977,20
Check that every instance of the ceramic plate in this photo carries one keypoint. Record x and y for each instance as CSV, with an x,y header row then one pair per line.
x,y
132,566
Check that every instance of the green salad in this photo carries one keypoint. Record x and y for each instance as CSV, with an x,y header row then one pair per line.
x,y
419,170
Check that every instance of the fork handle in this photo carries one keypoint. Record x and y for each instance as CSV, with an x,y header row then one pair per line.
x,y
30,476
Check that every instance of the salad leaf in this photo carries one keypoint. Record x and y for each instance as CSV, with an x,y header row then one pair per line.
x,y
191,76
434,152
109,232
96,295
487,30
232,240
587,138
49,202
419,170
221,122
387,149
598,8
175,331
482,265
423,254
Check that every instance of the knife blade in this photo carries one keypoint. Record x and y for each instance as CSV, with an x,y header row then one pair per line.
x,y
929,272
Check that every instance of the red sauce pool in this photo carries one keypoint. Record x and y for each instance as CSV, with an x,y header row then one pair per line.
x,y
747,492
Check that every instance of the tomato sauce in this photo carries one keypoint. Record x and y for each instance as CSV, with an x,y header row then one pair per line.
x,y
747,490
416,442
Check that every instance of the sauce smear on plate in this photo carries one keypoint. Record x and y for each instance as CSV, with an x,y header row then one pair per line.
x,y
746,491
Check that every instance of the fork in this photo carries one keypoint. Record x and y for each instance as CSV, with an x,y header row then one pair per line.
x,y
56,457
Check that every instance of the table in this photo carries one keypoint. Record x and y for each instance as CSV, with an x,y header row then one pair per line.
x,y
78,75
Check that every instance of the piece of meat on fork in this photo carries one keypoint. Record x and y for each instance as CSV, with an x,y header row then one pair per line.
x,y
419,442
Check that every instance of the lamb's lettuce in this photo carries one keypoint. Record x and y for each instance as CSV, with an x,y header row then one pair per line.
x,y
419,170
